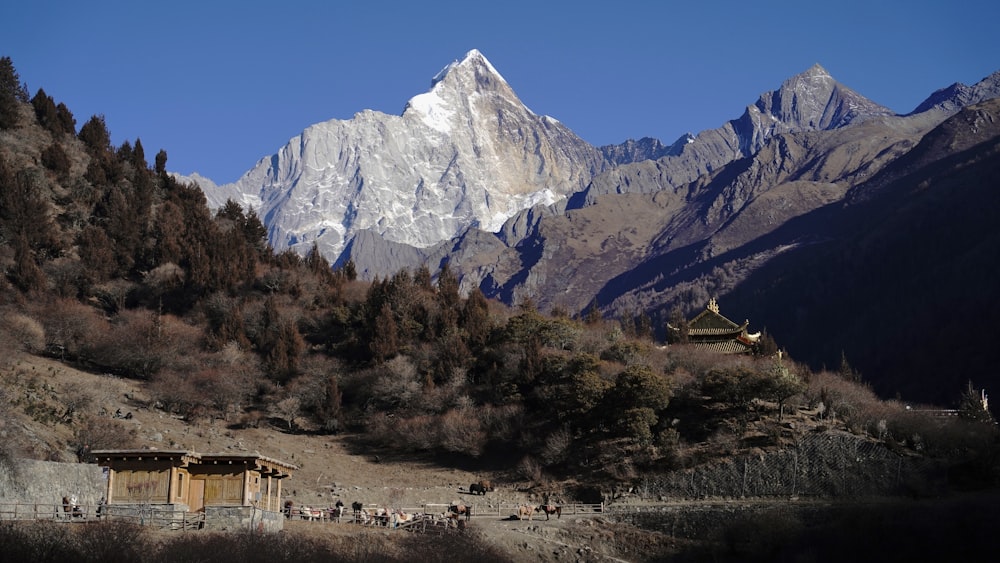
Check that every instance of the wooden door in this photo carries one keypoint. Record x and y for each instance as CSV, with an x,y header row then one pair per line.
x,y
196,498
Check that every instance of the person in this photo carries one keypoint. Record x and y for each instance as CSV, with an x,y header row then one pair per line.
x,y
339,509
66,506
100,507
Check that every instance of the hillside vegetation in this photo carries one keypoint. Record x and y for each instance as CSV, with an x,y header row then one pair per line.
x,y
112,266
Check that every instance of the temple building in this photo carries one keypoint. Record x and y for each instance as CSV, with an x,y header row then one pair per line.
x,y
712,331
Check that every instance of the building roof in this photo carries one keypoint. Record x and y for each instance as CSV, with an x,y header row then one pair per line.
x,y
710,330
710,321
187,457
735,346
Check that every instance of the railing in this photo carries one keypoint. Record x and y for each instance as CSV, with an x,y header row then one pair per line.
x,y
44,511
92,513
163,519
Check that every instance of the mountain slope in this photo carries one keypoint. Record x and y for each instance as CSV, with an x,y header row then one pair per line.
x,y
821,138
903,286
466,153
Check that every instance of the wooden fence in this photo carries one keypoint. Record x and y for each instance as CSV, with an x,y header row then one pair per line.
x,y
43,511
89,513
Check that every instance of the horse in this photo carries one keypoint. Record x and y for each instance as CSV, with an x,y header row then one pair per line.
x,y
357,507
477,489
549,510
310,513
460,509
525,510
399,517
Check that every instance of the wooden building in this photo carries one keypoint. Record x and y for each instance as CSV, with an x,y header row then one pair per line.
x,y
709,329
181,481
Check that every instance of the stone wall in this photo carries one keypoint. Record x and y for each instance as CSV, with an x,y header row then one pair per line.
x,y
46,482
235,518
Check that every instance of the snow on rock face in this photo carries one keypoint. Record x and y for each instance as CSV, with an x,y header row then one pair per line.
x,y
465,153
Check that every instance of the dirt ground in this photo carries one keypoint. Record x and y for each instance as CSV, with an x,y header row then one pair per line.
x,y
330,467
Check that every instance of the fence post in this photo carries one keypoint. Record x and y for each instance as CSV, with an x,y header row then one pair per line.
x,y
743,489
795,470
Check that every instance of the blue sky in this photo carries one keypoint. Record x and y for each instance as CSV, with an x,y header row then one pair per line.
x,y
221,84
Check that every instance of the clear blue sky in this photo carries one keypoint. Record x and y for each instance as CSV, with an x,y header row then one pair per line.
x,y
221,84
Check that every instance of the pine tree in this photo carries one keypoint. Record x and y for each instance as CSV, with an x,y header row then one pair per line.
x,y
593,314
13,93
139,156
94,135
67,123
55,159
46,112
385,341
349,270
161,163
96,253
26,274
24,211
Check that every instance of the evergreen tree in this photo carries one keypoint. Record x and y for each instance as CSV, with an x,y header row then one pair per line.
x,y
385,341
67,123
46,112
447,285
26,274
422,278
94,135
256,234
679,322
12,94
96,253
475,318
139,156
973,405
593,314
643,326
846,371
317,263
161,163
349,271
24,211
55,159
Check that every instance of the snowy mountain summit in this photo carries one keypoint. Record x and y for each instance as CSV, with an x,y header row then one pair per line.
x,y
467,153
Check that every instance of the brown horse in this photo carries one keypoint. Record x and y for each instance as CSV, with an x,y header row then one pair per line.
x,y
550,509
525,511
460,509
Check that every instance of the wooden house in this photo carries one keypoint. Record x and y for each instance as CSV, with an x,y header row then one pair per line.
x,y
222,486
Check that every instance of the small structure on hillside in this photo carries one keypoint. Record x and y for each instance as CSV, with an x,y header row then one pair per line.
x,y
712,331
232,491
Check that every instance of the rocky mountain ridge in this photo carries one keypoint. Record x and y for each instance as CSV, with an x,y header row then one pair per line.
x,y
467,153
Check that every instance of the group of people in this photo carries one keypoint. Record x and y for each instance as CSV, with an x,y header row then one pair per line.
x,y
71,507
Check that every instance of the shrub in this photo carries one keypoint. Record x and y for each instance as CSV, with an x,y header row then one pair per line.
x,y
101,433
24,332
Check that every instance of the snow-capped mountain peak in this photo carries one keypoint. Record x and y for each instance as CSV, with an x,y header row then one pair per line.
x,y
465,153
